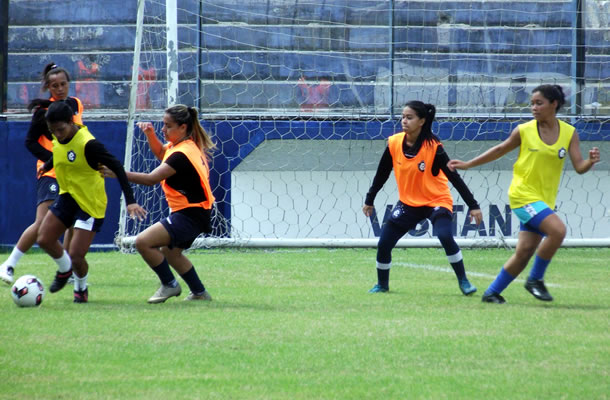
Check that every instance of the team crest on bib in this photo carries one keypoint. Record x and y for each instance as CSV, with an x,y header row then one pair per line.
x,y
561,153
71,156
421,166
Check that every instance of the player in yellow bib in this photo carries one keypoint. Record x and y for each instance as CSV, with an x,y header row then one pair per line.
x,y
39,142
82,197
543,143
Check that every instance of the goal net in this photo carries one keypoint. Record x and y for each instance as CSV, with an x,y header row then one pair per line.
x,y
300,98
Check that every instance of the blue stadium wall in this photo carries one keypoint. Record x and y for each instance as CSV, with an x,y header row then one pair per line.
x,y
236,140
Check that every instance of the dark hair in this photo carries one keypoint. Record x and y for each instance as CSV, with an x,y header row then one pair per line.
x,y
51,69
182,114
59,111
427,112
552,93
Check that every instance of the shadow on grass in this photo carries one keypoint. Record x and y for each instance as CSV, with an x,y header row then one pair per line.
x,y
179,304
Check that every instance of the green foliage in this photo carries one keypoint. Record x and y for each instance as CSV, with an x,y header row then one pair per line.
x,y
299,324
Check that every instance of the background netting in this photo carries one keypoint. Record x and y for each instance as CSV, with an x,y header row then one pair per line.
x,y
300,97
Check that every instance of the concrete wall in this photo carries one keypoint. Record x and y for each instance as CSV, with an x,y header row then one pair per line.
x,y
451,53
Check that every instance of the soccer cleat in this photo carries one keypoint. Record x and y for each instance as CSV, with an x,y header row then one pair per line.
x,y
81,296
467,288
203,296
6,273
537,289
164,293
379,289
71,280
493,298
61,278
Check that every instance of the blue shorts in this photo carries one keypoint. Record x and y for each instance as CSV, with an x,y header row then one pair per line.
x,y
70,214
47,189
182,230
407,217
531,216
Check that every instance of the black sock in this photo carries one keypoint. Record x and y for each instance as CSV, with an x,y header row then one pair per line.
x,y
164,273
192,279
383,277
458,268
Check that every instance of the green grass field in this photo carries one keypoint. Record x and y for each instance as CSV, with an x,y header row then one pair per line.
x,y
299,324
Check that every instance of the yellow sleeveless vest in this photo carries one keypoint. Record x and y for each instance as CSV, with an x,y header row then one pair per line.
x,y
537,171
76,177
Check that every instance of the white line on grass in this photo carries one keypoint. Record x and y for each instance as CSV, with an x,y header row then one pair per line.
x,y
449,270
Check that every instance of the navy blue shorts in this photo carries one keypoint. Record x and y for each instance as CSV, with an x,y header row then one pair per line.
x,y
407,217
69,212
182,230
47,189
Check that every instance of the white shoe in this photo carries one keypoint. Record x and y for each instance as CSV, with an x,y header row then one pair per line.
x,y
164,293
6,273
203,296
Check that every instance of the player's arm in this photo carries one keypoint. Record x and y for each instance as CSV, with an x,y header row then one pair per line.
x,y
384,169
160,173
511,143
441,159
38,128
156,147
581,165
96,155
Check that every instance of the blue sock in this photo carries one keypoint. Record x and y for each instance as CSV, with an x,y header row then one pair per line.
x,y
539,268
500,283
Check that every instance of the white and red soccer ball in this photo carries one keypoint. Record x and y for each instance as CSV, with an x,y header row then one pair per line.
x,y
27,291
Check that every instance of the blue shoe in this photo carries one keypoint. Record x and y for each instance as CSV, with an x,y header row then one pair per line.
x,y
467,288
379,289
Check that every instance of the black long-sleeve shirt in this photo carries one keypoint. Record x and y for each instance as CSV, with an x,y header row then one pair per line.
x,y
96,154
440,164
38,127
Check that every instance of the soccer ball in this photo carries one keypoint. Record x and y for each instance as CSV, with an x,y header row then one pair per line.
x,y
27,291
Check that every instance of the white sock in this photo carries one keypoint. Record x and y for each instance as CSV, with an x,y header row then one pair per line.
x,y
13,259
80,284
64,263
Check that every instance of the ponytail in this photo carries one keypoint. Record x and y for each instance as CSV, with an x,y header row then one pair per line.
x,y
182,114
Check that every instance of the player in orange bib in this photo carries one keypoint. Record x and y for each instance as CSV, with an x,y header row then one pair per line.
x,y
184,178
544,143
419,162
38,141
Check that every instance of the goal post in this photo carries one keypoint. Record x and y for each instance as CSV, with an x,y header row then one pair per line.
x,y
300,99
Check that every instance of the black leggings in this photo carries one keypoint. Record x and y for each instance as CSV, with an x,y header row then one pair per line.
x,y
392,232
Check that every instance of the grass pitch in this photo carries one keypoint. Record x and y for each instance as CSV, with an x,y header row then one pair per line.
x,y
299,324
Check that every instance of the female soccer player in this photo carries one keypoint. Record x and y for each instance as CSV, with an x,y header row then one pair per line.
x,y
38,141
543,144
420,167
82,200
184,178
